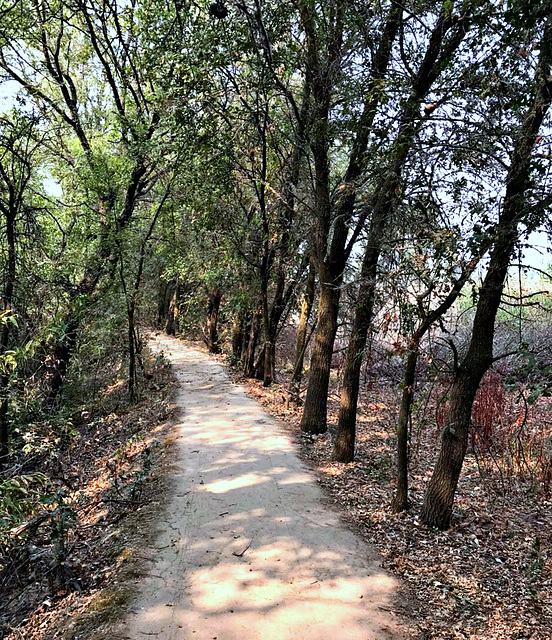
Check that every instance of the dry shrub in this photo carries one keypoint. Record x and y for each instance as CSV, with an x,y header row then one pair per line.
x,y
510,436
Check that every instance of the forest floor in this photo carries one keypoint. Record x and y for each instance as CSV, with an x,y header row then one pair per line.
x,y
246,545
489,577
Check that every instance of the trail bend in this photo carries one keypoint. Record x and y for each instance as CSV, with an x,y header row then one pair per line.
x,y
246,547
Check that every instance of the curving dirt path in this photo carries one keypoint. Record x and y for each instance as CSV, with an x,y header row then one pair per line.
x,y
246,549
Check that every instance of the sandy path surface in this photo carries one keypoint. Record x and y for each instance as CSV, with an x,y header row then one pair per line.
x,y
246,549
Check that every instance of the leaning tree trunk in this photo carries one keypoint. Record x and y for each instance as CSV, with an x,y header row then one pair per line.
x,y
400,502
344,444
238,337
316,402
5,333
331,260
131,355
260,365
439,496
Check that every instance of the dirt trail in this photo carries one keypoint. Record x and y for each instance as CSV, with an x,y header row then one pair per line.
x,y
246,548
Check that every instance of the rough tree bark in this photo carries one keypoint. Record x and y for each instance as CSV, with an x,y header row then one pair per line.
x,y
10,213
238,337
400,502
163,301
249,359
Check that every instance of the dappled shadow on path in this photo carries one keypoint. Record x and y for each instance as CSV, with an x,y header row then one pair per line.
x,y
246,548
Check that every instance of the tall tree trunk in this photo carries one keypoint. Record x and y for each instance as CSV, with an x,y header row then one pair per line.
x,y
212,321
246,336
267,348
344,444
260,365
238,337
61,357
316,401
400,502
131,356
439,496
8,295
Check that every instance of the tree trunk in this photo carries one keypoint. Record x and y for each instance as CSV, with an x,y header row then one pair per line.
x,y
237,338
400,502
163,302
331,260
8,296
439,496
267,349
344,445
381,206
212,322
260,365
131,355
61,357
249,368
246,337
316,401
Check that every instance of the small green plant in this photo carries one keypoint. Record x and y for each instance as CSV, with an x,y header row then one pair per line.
x,y
62,519
20,497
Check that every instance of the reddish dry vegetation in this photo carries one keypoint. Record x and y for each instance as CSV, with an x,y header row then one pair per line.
x,y
69,568
489,577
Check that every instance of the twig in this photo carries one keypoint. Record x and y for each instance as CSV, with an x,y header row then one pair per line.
x,y
240,555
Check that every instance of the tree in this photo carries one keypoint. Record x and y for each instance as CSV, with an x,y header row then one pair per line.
x,y
440,52
333,246
518,208
19,147
46,49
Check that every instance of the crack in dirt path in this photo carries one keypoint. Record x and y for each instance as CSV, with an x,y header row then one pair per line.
x,y
246,547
